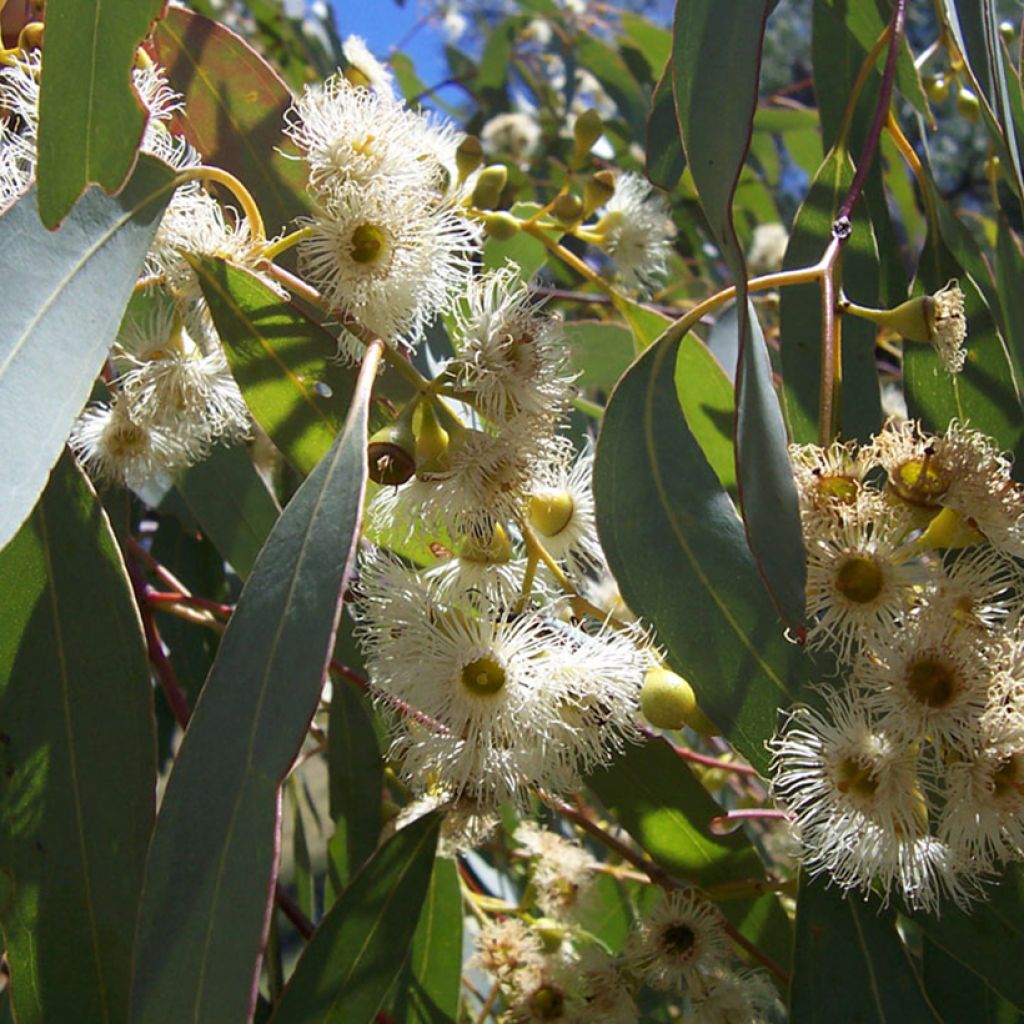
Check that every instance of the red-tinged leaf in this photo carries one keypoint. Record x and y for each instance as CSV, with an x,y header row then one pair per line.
x,y
210,870
235,104
90,119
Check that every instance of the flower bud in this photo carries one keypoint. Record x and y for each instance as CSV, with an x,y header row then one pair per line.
x,y
489,186
469,156
600,187
968,105
431,441
586,131
501,225
568,209
936,87
390,452
666,700
948,529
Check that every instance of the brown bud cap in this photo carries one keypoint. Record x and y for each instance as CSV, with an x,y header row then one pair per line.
x,y
390,454
599,189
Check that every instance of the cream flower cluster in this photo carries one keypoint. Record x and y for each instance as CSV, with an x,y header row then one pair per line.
x,y
389,243
908,778
171,393
526,684
679,949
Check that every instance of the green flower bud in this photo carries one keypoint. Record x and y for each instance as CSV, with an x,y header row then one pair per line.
x,y
600,187
586,131
489,186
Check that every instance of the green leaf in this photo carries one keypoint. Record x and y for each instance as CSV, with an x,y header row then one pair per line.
x,y
800,312
600,352
988,938
764,476
232,505
72,287
77,760
706,397
528,254
90,120
962,995
984,393
677,549
660,802
665,161
428,989
654,42
210,869
646,324
1009,266
283,362
356,775
716,113
235,104
849,966
347,968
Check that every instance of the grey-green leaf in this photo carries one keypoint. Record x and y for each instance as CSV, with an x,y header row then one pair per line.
x,y
347,968
209,874
72,287
679,554
850,966
77,760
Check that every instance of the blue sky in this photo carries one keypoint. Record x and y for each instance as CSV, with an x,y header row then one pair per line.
x,y
383,24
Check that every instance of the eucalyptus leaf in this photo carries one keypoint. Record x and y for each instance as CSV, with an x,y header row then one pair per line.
x,y
72,287
90,119
209,873
77,760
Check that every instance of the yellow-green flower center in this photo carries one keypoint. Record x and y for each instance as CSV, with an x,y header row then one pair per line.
x,y
860,580
368,244
483,677
921,481
678,939
838,488
547,1002
551,512
932,682
855,778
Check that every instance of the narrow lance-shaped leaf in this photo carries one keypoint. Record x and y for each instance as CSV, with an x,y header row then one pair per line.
x,y
347,968
72,287
209,874
232,505
849,965
800,312
427,991
678,552
90,119
716,113
77,760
